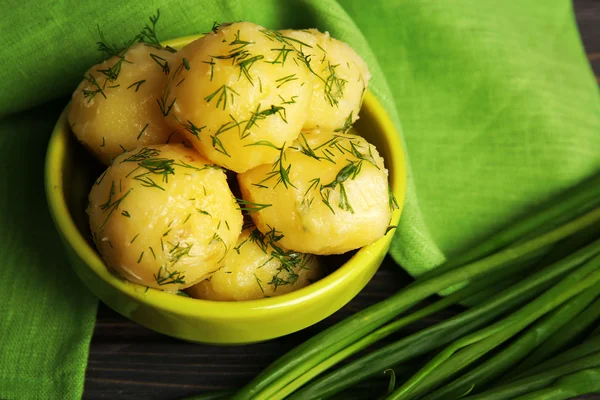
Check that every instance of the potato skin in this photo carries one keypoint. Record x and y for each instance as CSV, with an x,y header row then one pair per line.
x,y
240,95
125,114
332,196
163,216
250,271
340,79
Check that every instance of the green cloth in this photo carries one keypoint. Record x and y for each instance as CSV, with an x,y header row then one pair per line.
x,y
498,106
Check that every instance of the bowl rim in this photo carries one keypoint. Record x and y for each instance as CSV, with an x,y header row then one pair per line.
x,y
181,305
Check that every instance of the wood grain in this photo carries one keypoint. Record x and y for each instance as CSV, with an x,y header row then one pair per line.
x,y
128,361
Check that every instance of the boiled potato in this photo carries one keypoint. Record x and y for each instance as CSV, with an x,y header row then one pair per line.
x,y
115,107
239,95
257,268
340,79
163,216
327,194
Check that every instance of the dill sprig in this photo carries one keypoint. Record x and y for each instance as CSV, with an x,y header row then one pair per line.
x,y
313,184
292,100
111,205
90,94
334,85
306,149
224,91
193,129
347,124
389,228
142,154
212,67
259,283
216,141
148,33
230,125
101,177
259,115
253,237
217,144
238,42
177,252
217,238
149,160
282,54
162,100
166,277
292,262
215,27
111,49
349,171
393,203
142,131
148,181
162,62
286,79
137,84
113,72
245,66
279,170
250,207
280,37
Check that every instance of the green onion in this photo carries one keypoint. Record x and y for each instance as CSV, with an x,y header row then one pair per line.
x,y
437,335
471,293
539,381
470,348
568,386
562,339
585,349
324,345
501,362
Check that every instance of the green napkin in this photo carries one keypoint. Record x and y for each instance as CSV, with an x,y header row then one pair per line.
x,y
499,111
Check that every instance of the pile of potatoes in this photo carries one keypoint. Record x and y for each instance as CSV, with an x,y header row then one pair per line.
x,y
273,107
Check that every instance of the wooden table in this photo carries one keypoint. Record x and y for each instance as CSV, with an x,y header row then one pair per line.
x,y
128,361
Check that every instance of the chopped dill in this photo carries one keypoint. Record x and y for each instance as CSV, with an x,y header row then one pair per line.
x,y
142,132
250,207
137,84
223,93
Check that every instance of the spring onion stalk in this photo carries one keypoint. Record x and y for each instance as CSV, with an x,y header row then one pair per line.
x,y
472,293
562,339
329,342
470,348
569,386
569,205
539,381
440,334
545,258
376,387
501,362
585,349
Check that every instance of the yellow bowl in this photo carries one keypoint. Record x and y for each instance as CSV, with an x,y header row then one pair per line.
x,y
69,175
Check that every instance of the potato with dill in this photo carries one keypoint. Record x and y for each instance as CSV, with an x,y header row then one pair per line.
x,y
163,216
340,79
327,194
258,267
115,107
239,95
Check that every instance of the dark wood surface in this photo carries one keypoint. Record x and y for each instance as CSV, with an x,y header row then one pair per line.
x,y
128,361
